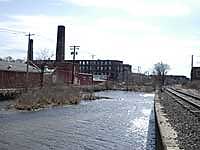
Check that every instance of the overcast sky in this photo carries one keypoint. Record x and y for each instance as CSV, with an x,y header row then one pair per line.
x,y
139,32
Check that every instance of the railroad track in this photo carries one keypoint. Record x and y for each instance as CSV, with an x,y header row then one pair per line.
x,y
188,101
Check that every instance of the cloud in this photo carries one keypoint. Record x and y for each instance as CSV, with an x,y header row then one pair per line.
x,y
133,41
44,28
118,24
139,7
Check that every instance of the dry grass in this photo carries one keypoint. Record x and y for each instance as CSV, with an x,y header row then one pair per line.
x,y
63,95
48,96
192,85
136,88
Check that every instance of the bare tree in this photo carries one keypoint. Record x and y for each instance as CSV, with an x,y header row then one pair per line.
x,y
44,54
160,71
11,59
8,59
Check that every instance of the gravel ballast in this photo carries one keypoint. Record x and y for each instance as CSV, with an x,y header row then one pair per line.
x,y
183,122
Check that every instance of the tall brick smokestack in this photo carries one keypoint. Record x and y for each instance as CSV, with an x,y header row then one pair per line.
x,y
30,53
60,47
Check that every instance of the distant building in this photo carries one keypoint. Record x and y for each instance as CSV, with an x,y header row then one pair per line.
x,y
195,73
172,79
104,69
85,79
125,74
175,79
139,78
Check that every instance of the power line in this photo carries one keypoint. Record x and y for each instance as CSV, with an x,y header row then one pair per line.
x,y
11,30
17,32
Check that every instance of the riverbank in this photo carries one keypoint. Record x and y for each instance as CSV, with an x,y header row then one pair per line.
x,y
67,95
118,87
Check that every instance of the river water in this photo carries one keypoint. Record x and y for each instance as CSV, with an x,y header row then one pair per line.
x,y
125,122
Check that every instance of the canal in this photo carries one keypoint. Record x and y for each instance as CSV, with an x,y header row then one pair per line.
x,y
125,122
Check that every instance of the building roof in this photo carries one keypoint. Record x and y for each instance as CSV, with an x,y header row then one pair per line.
x,y
96,60
13,66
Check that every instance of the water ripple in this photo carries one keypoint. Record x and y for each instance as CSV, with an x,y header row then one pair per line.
x,y
122,123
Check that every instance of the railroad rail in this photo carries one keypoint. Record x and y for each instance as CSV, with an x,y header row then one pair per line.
x,y
188,101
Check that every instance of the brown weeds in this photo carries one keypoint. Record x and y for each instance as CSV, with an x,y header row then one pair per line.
x,y
48,96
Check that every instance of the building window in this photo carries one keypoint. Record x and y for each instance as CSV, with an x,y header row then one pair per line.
x,y
121,69
109,67
198,73
83,62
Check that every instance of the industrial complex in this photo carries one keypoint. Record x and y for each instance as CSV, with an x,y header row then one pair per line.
x,y
61,71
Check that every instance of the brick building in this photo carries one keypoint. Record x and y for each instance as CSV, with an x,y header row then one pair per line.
x,y
107,69
62,70
85,79
195,73
14,75
175,79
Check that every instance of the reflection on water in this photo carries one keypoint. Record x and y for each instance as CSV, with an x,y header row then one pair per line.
x,y
122,123
148,95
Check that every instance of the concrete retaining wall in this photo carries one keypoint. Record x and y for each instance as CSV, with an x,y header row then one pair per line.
x,y
165,134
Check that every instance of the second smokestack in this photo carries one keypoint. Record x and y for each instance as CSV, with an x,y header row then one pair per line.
x,y
60,46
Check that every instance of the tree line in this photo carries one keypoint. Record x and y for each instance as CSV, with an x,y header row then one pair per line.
x,y
11,59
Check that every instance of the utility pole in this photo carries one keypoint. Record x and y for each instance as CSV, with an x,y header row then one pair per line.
x,y
192,61
74,53
27,62
91,68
